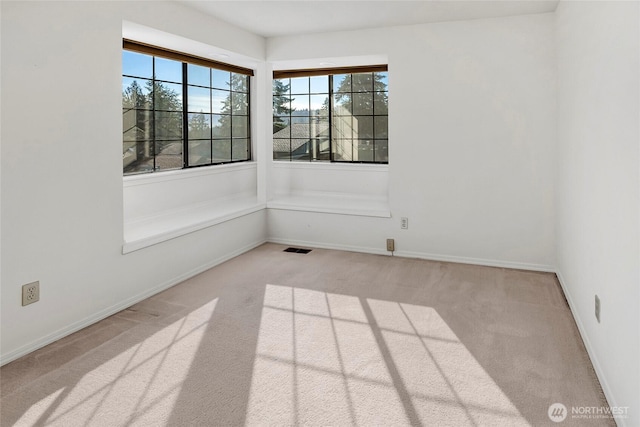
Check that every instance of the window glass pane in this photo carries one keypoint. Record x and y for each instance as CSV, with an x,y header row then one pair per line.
x,y
319,105
240,149
299,85
380,125
381,103
300,149
136,125
239,103
364,150
363,127
199,126
381,81
239,82
281,148
281,106
381,150
198,75
281,127
300,127
342,83
199,152
169,155
220,79
319,84
137,157
136,93
342,127
221,150
300,103
137,64
168,125
320,149
342,104
221,126
199,99
220,101
239,127
362,82
281,87
342,150
319,127
169,70
362,103
167,96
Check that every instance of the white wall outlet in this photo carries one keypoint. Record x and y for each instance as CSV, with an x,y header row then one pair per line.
x,y
404,223
30,293
598,308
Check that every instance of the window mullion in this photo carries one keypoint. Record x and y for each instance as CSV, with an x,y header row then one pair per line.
x,y
330,110
153,109
211,114
185,117
373,112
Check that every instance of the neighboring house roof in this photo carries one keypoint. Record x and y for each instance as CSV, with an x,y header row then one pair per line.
x,y
299,136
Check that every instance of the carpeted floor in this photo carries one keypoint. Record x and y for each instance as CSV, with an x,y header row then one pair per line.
x,y
327,338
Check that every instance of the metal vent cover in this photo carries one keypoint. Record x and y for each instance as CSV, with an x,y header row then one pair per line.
x,y
297,250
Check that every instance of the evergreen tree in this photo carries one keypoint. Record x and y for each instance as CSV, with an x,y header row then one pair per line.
x,y
135,125
281,105
133,97
359,83
138,105
168,107
234,121
199,127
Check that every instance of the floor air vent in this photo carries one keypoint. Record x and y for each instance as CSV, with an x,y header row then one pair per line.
x,y
298,250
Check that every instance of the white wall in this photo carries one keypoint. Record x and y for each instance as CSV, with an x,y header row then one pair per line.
x,y
62,185
471,148
598,209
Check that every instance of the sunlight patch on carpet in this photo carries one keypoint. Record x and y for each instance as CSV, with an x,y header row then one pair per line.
x,y
161,361
348,360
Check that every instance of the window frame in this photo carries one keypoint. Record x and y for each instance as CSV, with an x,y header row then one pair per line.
x,y
329,73
185,60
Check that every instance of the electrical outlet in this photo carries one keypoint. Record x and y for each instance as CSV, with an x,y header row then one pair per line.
x,y
404,223
30,293
391,245
598,308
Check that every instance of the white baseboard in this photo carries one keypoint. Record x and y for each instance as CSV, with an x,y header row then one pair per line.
x,y
420,255
477,261
109,311
590,351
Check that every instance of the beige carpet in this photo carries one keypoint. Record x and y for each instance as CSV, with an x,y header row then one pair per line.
x,y
329,339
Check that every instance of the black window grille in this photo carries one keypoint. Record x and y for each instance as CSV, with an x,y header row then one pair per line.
x,y
337,115
182,111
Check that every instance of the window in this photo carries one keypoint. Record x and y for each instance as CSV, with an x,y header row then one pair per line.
x,y
338,115
180,111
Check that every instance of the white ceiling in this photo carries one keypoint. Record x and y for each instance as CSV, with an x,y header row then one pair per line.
x,y
284,18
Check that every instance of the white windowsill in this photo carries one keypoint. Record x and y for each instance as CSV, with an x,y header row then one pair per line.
x,y
334,203
335,166
172,175
143,232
